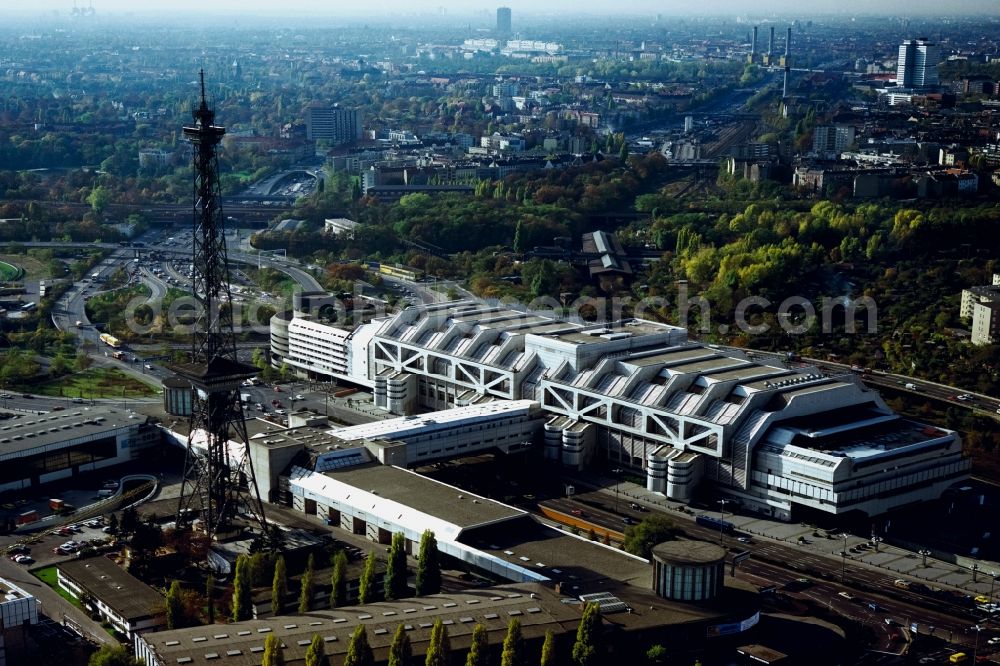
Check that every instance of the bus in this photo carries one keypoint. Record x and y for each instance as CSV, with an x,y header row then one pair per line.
x,y
111,340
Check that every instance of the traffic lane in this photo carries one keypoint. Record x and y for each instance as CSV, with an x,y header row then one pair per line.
x,y
828,594
596,516
794,557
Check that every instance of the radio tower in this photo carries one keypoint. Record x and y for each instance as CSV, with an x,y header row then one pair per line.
x,y
218,479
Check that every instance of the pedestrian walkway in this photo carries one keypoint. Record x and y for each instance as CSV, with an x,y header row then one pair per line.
x,y
892,559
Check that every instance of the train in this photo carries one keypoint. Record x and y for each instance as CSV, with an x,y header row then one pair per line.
x,y
715,523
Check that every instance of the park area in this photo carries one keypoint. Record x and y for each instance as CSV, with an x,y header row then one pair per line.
x,y
96,383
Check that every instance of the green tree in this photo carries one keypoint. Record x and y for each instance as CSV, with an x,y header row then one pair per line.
x,y
315,653
273,654
654,529
428,566
479,650
307,587
174,609
359,652
513,645
242,598
338,580
623,153
585,647
366,586
395,573
400,651
439,648
99,198
656,654
113,655
549,649
518,237
279,586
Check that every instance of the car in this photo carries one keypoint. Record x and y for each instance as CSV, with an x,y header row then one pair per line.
x,y
873,606
148,366
743,539
58,408
277,389
577,512
846,595
279,412
890,622
627,520
106,529
25,559
981,599
300,397
637,507
994,641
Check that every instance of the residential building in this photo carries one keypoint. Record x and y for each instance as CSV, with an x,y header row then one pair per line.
x,y
917,65
124,601
982,305
832,139
333,123
986,323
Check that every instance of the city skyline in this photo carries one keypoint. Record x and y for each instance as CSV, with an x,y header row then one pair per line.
x,y
457,7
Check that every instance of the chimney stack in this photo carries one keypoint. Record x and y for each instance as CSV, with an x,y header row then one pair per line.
x,y
788,42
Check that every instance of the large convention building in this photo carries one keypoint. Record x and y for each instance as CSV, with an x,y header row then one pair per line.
x,y
640,395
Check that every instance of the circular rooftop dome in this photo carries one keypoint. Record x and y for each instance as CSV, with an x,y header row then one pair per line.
x,y
689,571
688,552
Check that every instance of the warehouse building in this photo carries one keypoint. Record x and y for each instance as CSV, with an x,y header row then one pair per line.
x,y
39,449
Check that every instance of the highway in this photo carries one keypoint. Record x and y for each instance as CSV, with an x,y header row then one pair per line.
x,y
977,402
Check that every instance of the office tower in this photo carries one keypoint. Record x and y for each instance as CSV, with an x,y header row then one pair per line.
x,y
918,61
337,125
832,138
503,20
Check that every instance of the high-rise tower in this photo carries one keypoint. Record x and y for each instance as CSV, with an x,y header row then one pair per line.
x,y
218,477
503,20
918,64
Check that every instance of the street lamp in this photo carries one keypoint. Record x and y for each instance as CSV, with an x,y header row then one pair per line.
x,y
924,553
722,517
975,570
616,471
975,650
843,558
876,540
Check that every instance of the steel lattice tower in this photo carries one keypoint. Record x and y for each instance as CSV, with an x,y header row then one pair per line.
x,y
217,479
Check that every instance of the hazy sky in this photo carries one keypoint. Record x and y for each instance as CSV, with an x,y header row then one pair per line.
x,y
464,7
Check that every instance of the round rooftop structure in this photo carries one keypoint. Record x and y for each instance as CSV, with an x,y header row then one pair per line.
x,y
688,570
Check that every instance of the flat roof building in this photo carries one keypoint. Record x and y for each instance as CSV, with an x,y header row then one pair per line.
x,y
40,448
18,609
639,394
128,604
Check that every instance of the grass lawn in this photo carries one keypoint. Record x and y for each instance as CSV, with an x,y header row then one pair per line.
x,y
8,271
34,269
48,576
97,383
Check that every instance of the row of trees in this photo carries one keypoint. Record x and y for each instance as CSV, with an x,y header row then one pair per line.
x,y
251,571
514,652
